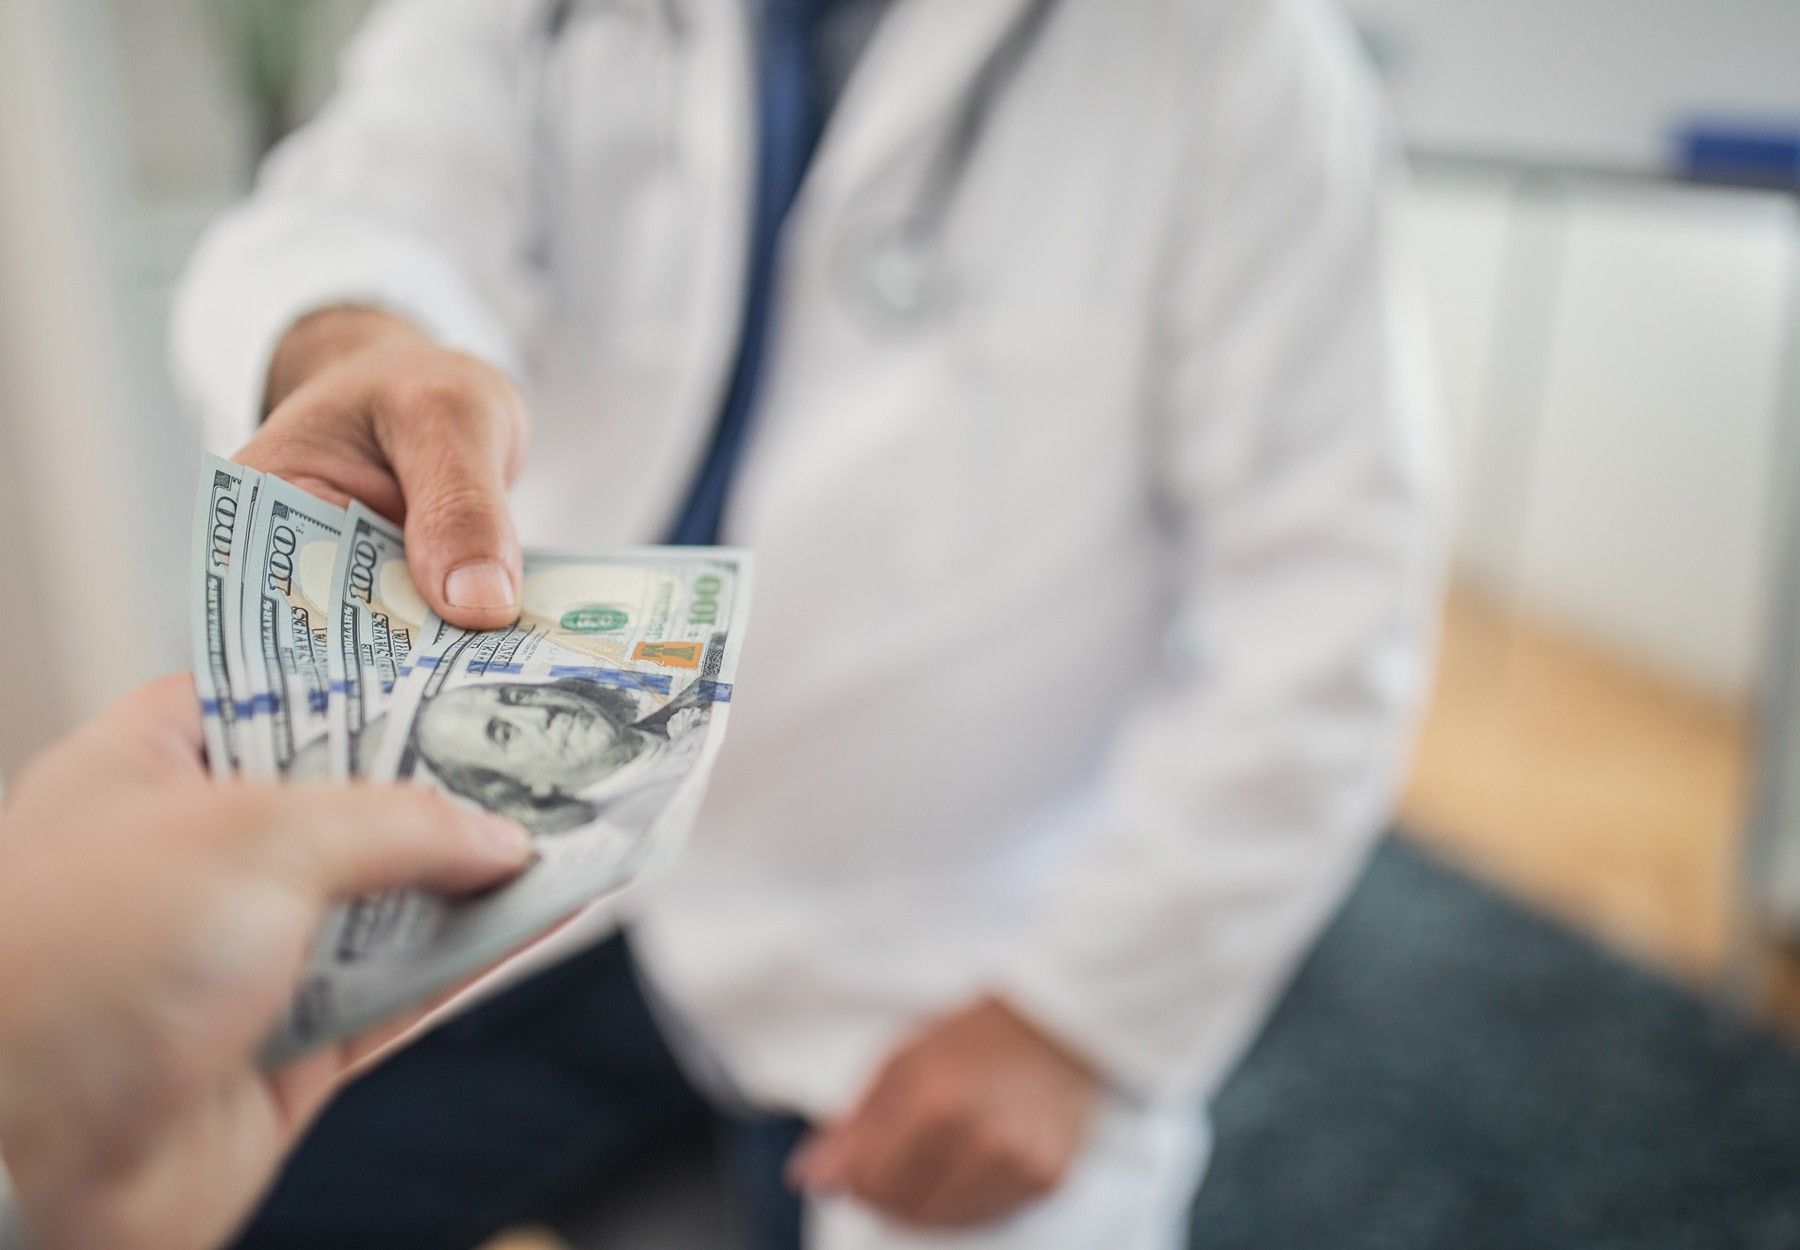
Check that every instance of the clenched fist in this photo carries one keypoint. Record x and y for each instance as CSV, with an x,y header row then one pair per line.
x,y
976,1116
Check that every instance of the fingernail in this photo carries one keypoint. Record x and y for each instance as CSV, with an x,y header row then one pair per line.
x,y
478,586
508,840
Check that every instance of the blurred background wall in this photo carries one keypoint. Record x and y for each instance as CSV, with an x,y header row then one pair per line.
x,y
1613,339
124,127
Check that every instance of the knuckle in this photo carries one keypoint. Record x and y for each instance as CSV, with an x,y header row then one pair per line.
x,y
263,827
383,809
941,1104
990,1143
444,406
456,508
251,812
1041,1171
498,392
287,443
437,397
868,1185
455,393
398,814
171,1069
424,814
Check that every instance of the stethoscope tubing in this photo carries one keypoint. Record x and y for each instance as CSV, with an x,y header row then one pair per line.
x,y
892,269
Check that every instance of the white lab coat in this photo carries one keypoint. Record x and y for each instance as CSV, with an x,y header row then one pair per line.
x,y
1095,552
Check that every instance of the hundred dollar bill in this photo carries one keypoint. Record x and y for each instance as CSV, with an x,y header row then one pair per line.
x,y
592,722
291,548
220,516
249,736
378,617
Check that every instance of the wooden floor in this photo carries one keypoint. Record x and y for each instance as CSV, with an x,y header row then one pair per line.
x,y
1601,792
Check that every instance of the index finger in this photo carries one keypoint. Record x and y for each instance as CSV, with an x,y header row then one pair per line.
x,y
345,841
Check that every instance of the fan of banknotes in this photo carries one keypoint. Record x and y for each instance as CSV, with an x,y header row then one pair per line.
x,y
592,722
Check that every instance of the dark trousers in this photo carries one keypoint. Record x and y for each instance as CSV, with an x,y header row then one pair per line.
x,y
531,1108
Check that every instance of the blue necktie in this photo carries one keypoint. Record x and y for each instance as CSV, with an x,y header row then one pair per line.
x,y
790,116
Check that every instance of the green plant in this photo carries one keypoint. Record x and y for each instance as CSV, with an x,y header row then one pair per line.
x,y
267,42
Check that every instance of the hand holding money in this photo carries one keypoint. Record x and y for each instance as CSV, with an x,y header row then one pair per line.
x,y
591,721
152,926
363,406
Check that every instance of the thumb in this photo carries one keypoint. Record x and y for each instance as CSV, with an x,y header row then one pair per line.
x,y
453,456
343,842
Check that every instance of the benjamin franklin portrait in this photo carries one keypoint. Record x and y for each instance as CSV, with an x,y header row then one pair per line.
x,y
535,753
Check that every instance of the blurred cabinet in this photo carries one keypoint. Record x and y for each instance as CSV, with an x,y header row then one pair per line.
x,y
1590,82
1611,361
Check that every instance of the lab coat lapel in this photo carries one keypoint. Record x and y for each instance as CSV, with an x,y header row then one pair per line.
x,y
717,141
912,79
909,87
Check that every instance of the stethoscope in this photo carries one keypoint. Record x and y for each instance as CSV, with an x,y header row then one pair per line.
x,y
890,267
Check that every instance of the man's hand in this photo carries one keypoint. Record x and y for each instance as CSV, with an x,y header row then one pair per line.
x,y
978,1115
362,405
153,927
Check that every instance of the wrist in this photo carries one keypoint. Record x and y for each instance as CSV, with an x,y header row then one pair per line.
x,y
322,338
